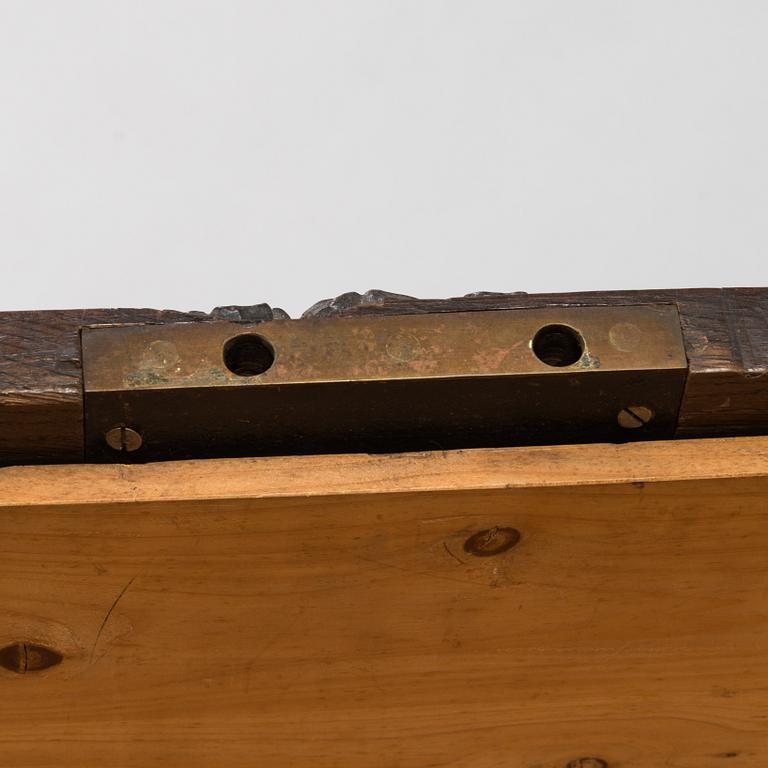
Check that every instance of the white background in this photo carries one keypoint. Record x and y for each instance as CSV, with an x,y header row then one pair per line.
x,y
187,154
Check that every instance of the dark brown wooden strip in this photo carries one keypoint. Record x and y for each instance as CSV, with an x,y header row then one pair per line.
x,y
725,332
41,387
41,400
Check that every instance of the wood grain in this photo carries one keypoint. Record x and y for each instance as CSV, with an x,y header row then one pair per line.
x,y
276,477
340,621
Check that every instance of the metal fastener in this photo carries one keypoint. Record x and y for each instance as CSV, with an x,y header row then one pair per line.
x,y
634,416
123,439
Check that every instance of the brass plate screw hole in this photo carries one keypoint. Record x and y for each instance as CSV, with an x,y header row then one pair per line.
x,y
248,355
558,345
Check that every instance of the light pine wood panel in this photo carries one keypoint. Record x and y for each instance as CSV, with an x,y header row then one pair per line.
x,y
351,628
298,476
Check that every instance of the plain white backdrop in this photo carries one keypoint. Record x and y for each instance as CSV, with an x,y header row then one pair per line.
x,y
184,154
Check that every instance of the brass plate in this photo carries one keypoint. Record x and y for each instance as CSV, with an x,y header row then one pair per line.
x,y
406,382
432,346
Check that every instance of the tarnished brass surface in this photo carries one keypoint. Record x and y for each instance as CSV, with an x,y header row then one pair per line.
x,y
383,348
383,383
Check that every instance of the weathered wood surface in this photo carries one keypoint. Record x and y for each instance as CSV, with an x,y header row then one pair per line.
x,y
726,338
310,612
41,385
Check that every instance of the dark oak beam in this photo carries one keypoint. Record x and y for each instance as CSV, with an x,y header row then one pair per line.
x,y
725,333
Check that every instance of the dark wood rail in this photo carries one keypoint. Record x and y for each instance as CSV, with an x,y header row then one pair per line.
x,y
725,333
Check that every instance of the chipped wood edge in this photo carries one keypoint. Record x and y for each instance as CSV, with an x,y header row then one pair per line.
x,y
355,474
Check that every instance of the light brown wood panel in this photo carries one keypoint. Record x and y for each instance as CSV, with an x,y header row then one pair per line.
x,y
299,476
349,627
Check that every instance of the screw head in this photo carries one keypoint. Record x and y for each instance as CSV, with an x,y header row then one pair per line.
x,y
123,439
634,416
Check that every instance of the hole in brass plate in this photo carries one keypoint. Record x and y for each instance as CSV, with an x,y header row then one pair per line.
x,y
248,354
558,345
